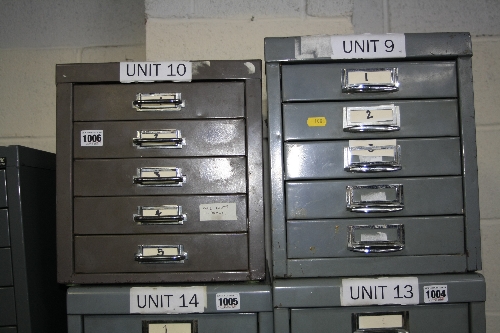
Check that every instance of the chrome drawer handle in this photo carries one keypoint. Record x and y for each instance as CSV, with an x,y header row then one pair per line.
x,y
160,254
170,138
374,198
372,158
379,118
375,238
166,214
161,176
158,102
370,80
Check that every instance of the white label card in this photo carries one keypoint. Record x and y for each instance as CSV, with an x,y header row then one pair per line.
x,y
227,301
91,138
368,46
436,294
379,291
168,299
170,328
155,71
218,212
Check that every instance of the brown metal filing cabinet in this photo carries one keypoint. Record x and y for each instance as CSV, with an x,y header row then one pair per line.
x,y
160,181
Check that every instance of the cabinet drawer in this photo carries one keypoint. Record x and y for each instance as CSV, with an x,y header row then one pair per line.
x,y
416,319
378,237
329,198
3,189
417,118
7,307
4,228
186,214
205,252
429,79
115,177
205,323
5,267
161,138
95,102
408,158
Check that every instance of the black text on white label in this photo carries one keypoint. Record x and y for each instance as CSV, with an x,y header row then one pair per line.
x,y
228,301
436,294
91,138
368,46
155,71
379,291
168,299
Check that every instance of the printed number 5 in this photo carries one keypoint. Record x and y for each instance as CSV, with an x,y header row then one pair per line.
x,y
160,252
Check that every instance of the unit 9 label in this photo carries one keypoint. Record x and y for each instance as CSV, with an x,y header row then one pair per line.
x,y
227,301
91,138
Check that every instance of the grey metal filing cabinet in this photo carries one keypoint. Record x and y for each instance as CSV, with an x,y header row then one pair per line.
x,y
160,181
31,300
425,303
228,308
372,154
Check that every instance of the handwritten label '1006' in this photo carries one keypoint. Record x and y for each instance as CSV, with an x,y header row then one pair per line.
x,y
379,291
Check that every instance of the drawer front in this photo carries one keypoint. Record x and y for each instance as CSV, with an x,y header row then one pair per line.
x,y
206,323
3,189
328,199
417,118
4,228
95,102
116,177
5,268
416,319
161,138
205,252
409,158
383,237
11,329
324,81
123,215
7,307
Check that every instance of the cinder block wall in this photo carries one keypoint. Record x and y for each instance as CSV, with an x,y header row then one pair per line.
x,y
38,34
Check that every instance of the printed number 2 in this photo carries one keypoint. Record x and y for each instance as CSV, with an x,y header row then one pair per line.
x,y
369,114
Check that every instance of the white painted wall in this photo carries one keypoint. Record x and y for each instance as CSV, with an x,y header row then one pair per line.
x,y
36,35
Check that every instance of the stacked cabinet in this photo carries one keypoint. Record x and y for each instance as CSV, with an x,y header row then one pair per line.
x,y
30,298
160,177
372,161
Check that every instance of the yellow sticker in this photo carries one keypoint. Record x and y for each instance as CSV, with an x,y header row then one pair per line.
x,y
316,121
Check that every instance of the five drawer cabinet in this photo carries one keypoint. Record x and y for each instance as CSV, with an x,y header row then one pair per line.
x,y
160,181
372,155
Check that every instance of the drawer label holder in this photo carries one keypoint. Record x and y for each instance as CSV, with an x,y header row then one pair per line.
x,y
379,291
390,322
165,214
370,80
168,300
381,118
168,138
170,326
375,238
372,156
374,198
158,102
160,176
160,254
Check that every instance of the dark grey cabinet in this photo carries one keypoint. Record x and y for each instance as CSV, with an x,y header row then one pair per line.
x,y
160,181
372,156
31,300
